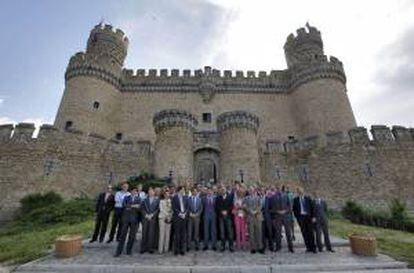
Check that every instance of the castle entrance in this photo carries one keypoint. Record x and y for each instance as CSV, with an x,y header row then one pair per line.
x,y
206,166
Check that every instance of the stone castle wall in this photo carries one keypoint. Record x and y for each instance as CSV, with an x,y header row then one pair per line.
x,y
70,163
347,166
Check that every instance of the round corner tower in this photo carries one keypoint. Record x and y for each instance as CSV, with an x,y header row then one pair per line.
x,y
239,157
173,153
319,99
90,101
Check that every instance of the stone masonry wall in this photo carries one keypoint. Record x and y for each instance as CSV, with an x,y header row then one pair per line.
x,y
70,163
341,166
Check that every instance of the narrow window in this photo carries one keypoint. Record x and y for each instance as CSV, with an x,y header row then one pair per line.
x,y
118,136
207,117
96,105
277,173
68,125
368,170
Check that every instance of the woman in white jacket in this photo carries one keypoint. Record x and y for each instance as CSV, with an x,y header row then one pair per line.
x,y
164,221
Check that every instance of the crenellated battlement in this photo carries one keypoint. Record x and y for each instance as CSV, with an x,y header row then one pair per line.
x,y
381,136
49,134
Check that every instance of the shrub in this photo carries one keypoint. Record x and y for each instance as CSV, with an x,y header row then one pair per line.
x,y
69,212
146,180
399,215
37,200
353,212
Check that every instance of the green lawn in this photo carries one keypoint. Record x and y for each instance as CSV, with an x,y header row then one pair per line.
x,y
21,244
397,244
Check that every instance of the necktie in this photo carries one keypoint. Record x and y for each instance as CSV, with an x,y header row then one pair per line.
x,y
194,204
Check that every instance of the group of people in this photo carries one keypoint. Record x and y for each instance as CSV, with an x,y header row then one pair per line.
x,y
184,218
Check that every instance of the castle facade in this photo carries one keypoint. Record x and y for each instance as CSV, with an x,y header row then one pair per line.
x,y
284,126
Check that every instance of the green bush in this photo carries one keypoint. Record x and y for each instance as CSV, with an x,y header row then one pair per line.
x,y
395,218
37,200
399,214
353,212
68,212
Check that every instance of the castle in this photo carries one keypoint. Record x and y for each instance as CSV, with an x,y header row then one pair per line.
x,y
293,125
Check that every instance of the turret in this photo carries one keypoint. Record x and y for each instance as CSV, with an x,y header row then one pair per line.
x,y
108,45
306,46
90,101
319,100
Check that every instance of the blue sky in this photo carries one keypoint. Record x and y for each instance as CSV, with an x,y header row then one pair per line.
x,y
374,39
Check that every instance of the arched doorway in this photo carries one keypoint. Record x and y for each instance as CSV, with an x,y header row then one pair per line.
x,y
206,167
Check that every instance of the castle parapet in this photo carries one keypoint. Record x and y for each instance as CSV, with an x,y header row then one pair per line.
x,y
381,133
23,132
359,135
174,118
239,119
401,133
6,131
47,131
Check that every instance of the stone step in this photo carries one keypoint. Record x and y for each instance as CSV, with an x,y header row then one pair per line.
x,y
391,267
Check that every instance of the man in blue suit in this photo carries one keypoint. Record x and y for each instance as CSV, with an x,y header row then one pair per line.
x,y
130,221
209,219
179,206
150,209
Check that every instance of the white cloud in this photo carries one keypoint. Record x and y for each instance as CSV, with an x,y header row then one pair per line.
x,y
6,120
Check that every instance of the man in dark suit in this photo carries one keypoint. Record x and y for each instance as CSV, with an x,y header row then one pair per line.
x,y
193,227
223,208
104,205
279,209
130,221
179,205
320,212
150,208
209,219
303,210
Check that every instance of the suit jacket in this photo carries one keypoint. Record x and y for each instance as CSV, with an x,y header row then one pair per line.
x,y
195,207
278,202
320,209
148,208
307,206
131,213
209,209
102,206
253,207
224,204
176,208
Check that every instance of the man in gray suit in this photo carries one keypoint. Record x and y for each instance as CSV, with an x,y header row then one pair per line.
x,y
150,209
193,227
320,211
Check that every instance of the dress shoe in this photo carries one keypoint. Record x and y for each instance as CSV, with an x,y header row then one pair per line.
x,y
222,249
117,255
205,248
291,250
214,248
196,248
331,250
128,253
261,251
175,253
109,241
151,252
100,241
314,251
252,251
231,249
142,252
188,249
92,240
182,253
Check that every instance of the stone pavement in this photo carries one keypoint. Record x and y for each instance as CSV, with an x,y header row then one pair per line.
x,y
99,258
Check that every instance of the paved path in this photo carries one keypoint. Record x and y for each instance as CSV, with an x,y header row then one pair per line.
x,y
99,258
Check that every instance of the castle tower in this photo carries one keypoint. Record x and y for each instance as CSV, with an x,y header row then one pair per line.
x,y
91,96
239,155
174,144
319,100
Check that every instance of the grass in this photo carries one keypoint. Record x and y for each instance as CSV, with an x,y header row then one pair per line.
x,y
394,243
22,244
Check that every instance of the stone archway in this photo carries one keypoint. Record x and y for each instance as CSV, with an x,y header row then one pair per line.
x,y
206,166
